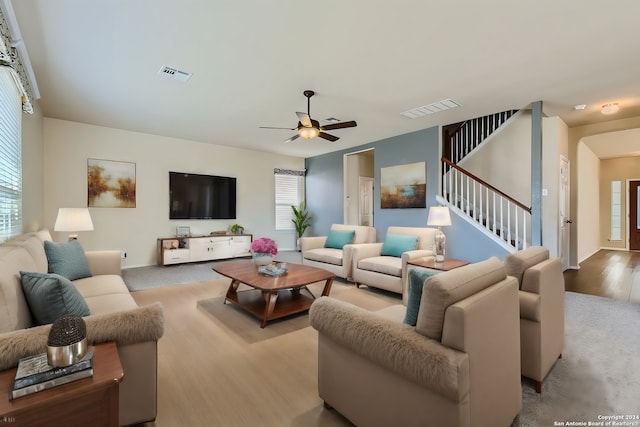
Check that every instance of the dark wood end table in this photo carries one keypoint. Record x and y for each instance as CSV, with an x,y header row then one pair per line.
x,y
273,297
89,401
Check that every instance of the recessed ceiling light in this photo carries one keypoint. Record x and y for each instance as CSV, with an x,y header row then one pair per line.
x,y
610,108
435,107
580,107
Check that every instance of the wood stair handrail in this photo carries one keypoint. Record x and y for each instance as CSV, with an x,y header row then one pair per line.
x,y
486,184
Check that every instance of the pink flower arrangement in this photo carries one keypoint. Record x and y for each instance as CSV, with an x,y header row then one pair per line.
x,y
264,245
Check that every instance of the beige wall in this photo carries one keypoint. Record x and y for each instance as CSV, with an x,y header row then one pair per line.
x,y
32,170
554,145
622,169
68,145
587,222
510,147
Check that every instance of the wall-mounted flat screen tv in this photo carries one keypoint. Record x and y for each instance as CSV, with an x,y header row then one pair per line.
x,y
193,196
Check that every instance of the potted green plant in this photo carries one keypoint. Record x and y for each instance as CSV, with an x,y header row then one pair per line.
x,y
236,229
301,220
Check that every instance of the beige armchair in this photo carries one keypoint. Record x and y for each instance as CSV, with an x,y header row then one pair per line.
x,y
334,259
459,366
541,310
372,267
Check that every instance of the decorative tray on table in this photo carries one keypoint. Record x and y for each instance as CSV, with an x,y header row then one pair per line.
x,y
274,269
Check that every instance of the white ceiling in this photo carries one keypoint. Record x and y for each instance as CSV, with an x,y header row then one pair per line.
x,y
97,62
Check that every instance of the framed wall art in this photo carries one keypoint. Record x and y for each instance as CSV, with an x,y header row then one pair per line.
x,y
403,186
111,184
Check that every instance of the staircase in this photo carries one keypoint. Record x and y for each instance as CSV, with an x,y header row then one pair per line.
x,y
498,215
460,139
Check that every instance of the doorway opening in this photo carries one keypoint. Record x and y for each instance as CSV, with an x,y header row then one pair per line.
x,y
359,188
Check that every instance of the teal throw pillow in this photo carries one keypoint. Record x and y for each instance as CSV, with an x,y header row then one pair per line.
x,y
396,244
50,296
67,259
338,238
417,278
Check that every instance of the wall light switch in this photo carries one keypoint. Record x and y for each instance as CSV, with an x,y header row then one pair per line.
x,y
545,192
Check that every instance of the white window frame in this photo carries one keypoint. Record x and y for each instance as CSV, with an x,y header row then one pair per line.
x,y
10,155
289,191
616,211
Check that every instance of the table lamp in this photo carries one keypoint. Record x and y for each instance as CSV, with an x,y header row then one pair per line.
x,y
73,220
439,216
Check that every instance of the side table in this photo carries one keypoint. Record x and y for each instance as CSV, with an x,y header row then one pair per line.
x,y
90,401
430,264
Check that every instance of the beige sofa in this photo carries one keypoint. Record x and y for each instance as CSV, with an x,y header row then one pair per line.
x,y
541,310
371,268
335,260
115,316
459,366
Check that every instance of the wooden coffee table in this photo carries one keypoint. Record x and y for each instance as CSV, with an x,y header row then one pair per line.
x,y
273,297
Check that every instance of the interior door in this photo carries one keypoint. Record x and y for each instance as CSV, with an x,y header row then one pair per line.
x,y
564,242
634,226
365,205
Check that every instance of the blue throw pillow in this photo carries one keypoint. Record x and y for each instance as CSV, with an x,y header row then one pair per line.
x,y
67,259
338,238
417,278
50,296
396,244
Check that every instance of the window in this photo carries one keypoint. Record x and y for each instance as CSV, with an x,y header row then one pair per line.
x,y
615,211
10,156
289,191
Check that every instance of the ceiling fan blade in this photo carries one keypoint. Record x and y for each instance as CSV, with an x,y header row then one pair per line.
x,y
271,127
341,125
293,138
305,119
328,137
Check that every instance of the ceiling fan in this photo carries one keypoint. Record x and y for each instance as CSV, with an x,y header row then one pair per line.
x,y
309,128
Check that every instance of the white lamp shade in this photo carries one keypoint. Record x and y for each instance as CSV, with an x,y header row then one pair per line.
x,y
73,219
439,216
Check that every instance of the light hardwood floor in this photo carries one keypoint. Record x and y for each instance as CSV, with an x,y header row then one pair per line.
x,y
218,368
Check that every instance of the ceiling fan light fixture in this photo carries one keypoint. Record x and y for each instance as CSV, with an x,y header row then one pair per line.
x,y
610,108
308,132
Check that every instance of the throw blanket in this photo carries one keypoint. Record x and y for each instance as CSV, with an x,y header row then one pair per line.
x,y
124,327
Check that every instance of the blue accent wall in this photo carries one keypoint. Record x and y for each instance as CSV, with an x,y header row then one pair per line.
x,y
325,193
325,181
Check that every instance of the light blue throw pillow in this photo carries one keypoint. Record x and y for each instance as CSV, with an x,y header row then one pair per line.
x,y
50,296
67,259
338,238
396,244
417,277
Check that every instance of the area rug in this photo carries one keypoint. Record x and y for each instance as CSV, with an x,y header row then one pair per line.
x,y
599,373
245,325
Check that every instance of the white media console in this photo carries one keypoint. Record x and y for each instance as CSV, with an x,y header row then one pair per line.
x,y
178,250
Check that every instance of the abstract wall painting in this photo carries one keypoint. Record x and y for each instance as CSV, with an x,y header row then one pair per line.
x,y
403,186
111,184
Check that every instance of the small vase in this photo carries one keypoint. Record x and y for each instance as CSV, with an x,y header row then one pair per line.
x,y
261,258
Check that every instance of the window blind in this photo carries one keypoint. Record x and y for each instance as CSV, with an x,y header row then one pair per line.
x,y
10,156
289,191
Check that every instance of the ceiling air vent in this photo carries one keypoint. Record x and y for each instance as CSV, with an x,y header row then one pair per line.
x,y
174,73
436,107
